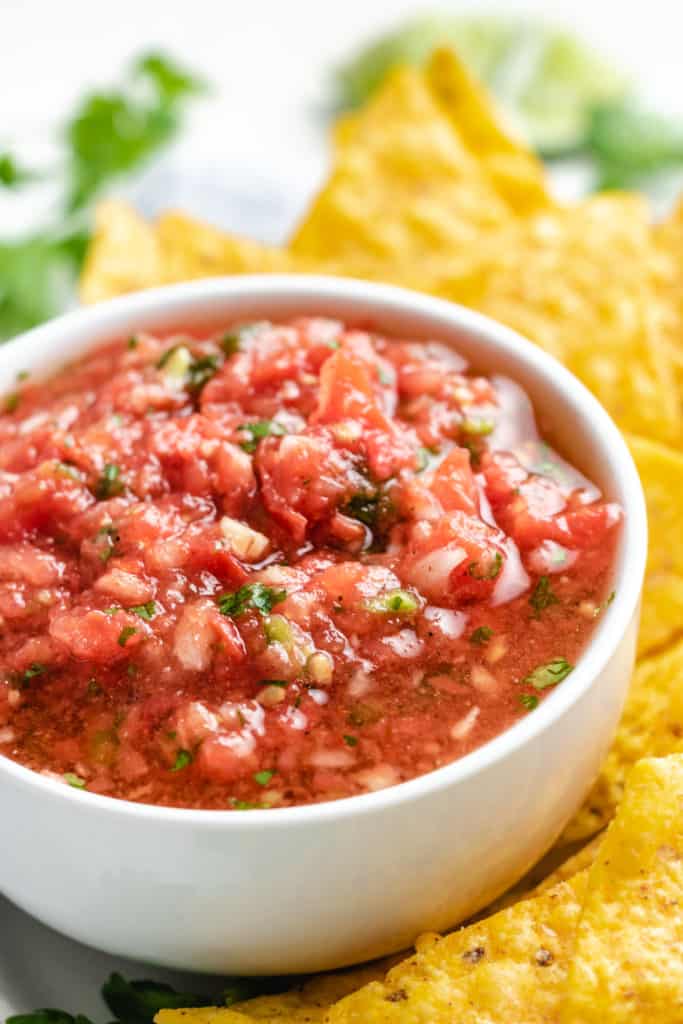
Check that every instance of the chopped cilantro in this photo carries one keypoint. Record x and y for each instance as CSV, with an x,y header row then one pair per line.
x,y
274,682
257,431
146,611
126,633
200,372
138,1002
252,595
550,674
528,701
481,635
398,602
245,805
74,780
542,597
605,604
113,609
232,341
351,741
109,483
133,341
487,573
263,778
182,759
34,669
365,507
12,402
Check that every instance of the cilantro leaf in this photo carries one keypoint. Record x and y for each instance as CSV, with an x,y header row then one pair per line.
x,y
115,131
138,1002
145,611
48,1016
481,635
12,174
252,595
257,431
109,484
529,701
200,372
543,596
182,760
550,674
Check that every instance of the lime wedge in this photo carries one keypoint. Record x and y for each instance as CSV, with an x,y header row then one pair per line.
x,y
546,79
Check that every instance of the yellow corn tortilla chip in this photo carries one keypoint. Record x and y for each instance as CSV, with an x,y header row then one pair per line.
x,y
308,1002
514,171
123,255
576,280
507,968
545,875
627,963
127,253
652,724
190,249
403,185
661,473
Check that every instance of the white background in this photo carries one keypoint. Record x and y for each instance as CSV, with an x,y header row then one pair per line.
x,y
255,150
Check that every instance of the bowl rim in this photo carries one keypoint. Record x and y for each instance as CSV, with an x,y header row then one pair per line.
x,y
629,573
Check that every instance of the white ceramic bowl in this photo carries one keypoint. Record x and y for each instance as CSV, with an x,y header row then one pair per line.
x,y
309,888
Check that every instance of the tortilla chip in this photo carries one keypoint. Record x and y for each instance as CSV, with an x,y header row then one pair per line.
x,y
576,280
123,255
626,965
128,254
652,724
191,249
403,185
514,171
550,871
661,473
308,1002
510,967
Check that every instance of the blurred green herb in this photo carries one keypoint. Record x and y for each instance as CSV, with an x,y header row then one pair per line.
x,y
110,134
12,174
138,1002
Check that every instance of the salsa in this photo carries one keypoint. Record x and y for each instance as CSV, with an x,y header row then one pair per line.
x,y
282,563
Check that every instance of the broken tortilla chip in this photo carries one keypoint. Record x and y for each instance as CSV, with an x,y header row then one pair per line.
x,y
123,255
626,964
307,1003
509,967
661,473
575,280
651,725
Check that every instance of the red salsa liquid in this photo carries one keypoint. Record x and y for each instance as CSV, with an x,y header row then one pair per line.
x,y
280,564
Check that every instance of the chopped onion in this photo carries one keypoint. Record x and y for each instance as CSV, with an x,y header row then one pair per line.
x,y
332,759
465,725
247,544
431,573
379,777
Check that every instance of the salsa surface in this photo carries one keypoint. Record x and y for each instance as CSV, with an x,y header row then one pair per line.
x,y
280,564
